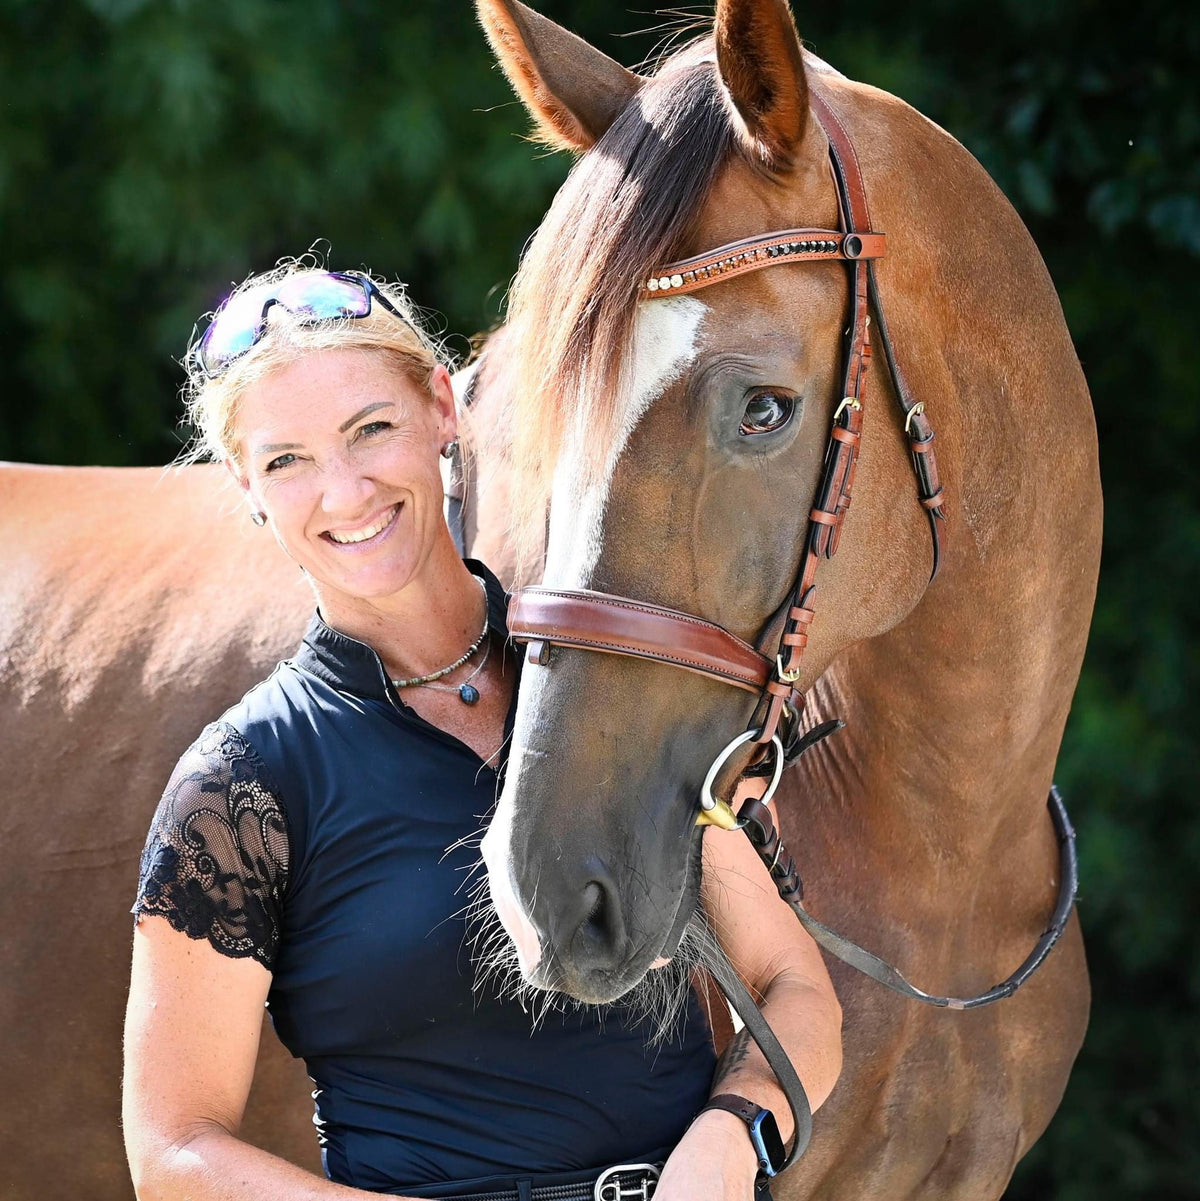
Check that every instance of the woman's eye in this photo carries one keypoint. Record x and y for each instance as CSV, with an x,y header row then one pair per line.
x,y
282,461
374,427
767,410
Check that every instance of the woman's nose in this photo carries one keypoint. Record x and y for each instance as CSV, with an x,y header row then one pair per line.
x,y
345,491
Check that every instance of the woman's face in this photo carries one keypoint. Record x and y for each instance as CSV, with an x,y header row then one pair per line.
x,y
341,452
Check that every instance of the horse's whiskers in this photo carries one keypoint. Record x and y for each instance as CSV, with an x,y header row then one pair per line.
x,y
659,999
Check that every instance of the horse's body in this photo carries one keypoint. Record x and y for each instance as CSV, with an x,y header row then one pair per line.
x,y
136,605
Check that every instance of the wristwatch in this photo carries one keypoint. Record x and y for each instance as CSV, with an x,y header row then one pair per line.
x,y
764,1132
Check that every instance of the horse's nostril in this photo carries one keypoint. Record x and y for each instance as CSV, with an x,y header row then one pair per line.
x,y
593,900
599,936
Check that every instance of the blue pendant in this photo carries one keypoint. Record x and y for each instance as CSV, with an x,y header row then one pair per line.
x,y
468,694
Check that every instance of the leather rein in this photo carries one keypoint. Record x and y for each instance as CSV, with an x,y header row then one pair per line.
x,y
546,617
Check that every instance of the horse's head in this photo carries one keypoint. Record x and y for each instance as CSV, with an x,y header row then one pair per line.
x,y
679,442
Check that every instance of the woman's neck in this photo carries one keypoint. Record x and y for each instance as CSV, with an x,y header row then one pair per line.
x,y
420,629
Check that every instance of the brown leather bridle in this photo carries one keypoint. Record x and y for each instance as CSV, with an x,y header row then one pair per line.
x,y
617,625
546,617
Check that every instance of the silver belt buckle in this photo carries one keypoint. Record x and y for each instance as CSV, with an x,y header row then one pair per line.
x,y
610,1186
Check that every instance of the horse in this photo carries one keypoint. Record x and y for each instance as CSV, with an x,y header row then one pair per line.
x,y
676,438
137,604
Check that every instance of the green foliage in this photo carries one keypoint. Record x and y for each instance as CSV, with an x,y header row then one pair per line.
x,y
153,152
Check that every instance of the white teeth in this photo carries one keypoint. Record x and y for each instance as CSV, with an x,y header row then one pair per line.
x,y
369,532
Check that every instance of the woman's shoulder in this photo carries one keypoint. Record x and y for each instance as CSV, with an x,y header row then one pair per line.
x,y
274,719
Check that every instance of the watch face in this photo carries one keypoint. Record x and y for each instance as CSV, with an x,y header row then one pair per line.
x,y
767,1142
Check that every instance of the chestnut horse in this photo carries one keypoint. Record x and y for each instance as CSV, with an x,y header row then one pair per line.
x,y
135,605
679,441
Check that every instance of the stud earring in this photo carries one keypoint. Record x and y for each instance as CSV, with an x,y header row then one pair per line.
x,y
258,517
450,449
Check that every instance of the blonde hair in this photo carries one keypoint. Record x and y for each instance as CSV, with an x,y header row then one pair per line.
x,y
211,405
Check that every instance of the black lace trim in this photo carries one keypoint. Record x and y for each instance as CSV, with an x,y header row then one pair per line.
x,y
215,862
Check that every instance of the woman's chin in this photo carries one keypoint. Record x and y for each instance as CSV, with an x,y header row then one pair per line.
x,y
368,580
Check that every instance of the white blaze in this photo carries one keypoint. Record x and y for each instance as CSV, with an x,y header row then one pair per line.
x,y
664,345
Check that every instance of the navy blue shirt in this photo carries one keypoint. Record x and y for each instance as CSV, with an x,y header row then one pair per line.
x,y
324,828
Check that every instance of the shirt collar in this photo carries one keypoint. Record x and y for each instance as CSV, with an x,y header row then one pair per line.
x,y
352,666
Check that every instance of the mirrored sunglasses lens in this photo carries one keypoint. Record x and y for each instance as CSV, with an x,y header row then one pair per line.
x,y
233,330
320,297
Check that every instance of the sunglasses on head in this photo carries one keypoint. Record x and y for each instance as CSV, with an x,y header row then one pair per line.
x,y
312,296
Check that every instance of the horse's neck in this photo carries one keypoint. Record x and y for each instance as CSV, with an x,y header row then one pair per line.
x,y
955,715
938,783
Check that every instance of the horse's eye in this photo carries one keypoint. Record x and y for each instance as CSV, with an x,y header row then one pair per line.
x,y
767,410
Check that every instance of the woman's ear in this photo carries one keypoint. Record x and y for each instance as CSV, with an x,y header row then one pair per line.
x,y
243,481
442,389
572,90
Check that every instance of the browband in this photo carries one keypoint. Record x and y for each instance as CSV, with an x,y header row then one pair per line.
x,y
736,258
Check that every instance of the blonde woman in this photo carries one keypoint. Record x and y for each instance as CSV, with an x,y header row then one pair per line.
x,y
298,857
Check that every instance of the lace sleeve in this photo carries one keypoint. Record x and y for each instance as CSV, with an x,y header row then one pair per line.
x,y
216,858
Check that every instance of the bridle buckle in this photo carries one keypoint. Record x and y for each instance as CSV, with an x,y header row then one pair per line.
x,y
785,676
610,1187
848,402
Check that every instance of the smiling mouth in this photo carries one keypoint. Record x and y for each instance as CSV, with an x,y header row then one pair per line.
x,y
367,533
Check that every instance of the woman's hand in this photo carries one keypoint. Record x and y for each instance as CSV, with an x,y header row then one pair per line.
x,y
714,1161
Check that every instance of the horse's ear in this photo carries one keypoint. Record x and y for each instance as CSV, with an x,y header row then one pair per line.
x,y
761,65
573,91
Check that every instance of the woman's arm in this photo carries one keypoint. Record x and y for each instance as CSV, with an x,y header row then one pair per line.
x,y
780,963
191,1041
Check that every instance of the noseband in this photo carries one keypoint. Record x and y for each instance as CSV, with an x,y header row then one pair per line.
x,y
546,617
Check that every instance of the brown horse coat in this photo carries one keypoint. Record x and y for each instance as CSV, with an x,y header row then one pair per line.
x,y
135,606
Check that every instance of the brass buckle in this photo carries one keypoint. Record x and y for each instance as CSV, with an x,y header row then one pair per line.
x,y
847,402
785,677
610,1187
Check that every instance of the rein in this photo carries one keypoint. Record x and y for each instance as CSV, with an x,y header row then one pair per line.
x,y
546,617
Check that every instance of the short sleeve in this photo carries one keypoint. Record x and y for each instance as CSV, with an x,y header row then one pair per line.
x,y
216,859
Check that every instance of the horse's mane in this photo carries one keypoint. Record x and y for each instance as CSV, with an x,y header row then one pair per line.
x,y
625,208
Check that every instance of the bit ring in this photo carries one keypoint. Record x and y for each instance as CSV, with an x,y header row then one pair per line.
x,y
709,802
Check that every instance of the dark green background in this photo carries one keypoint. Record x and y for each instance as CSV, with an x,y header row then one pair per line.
x,y
150,153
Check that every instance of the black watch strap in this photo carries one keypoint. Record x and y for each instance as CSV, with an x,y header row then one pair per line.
x,y
762,1128
739,1106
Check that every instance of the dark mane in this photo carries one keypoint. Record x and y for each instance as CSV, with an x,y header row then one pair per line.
x,y
626,207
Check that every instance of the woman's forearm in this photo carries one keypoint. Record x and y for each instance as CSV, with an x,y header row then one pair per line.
x,y
214,1165
807,1020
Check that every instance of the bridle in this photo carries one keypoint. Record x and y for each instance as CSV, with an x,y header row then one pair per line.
x,y
597,621
546,617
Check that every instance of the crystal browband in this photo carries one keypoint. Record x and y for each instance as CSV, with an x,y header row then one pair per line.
x,y
736,258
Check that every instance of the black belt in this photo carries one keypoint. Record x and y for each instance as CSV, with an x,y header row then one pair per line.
x,y
622,1182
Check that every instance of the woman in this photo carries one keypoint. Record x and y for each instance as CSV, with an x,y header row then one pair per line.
x,y
299,855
